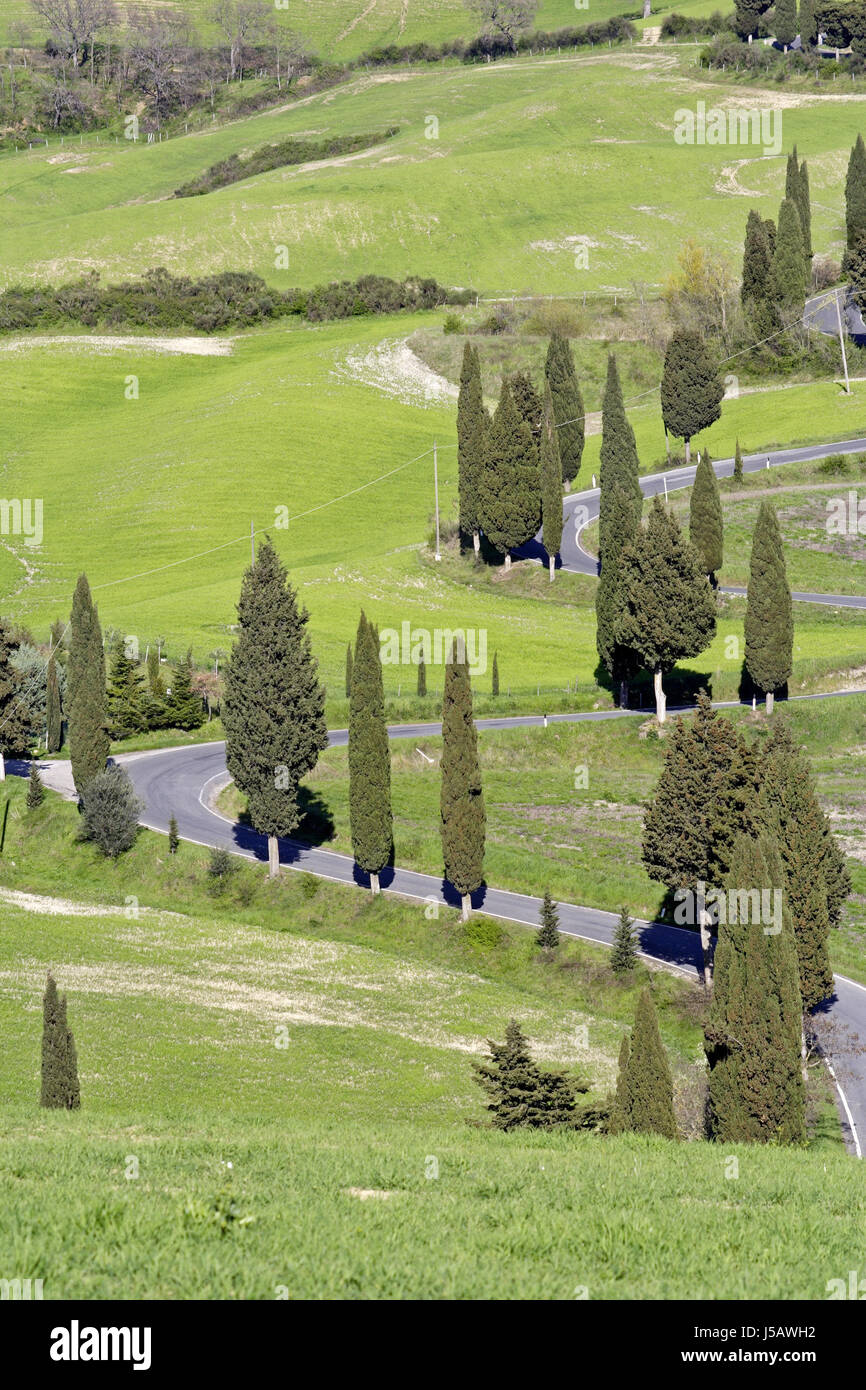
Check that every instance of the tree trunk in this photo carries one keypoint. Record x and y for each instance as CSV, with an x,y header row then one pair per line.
x,y
273,856
769,702
551,560
661,701
374,884
704,925
2,768
507,563
688,443
623,694
476,542
466,908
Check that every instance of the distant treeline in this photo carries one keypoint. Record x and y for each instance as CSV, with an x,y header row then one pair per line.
x,y
615,30
230,300
680,26
287,152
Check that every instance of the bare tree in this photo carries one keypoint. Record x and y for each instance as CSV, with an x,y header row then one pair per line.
x,y
507,18
160,46
75,23
240,21
284,43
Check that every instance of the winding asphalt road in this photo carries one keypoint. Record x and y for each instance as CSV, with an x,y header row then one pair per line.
x,y
184,782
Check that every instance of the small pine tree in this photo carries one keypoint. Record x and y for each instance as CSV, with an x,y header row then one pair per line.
x,y
547,935
184,706
35,789
738,464
173,836
422,677
127,709
494,675
60,1089
348,670
519,1093
624,957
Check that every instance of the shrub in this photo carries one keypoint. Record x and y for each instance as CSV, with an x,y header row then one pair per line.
x,y
110,810
221,866
452,324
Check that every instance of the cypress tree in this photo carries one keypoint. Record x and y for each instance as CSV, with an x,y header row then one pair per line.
x,y
551,485
494,675
568,412
157,714
53,712
127,710
461,806
666,609
173,835
756,261
692,389
510,495
624,956
519,1093
89,740
35,789
274,707
60,1089
620,506
808,27
803,199
649,1092
792,175
738,464
16,732
769,625
530,406
618,1120
753,1035
855,193
786,21
706,526
547,935
71,1088
787,278
369,759
770,232
348,670
184,708
472,426
422,677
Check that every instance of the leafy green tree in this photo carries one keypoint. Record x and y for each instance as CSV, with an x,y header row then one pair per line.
x,y
787,278
53,709
369,759
127,705
753,1035
173,835
855,193
461,807
748,15
666,609
785,22
519,1092
620,506
547,935
756,261
625,949
769,624
738,464
649,1093
706,796
568,412
706,525
60,1089
89,740
808,27
551,485
110,812
691,389
473,424
184,706
16,730
510,495
35,789
274,706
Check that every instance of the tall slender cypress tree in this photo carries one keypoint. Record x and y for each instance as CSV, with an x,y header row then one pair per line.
x,y
369,759
753,1035
666,609
472,426
649,1091
568,412
803,199
706,525
510,493
738,464
808,27
461,807
89,740
855,193
53,711
756,261
348,670
769,624
421,688
787,279
59,1082
619,1111
786,21
274,707
692,389
530,406
551,484
620,506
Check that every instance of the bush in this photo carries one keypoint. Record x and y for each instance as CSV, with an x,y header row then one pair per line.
x,y
221,866
287,152
452,324
110,810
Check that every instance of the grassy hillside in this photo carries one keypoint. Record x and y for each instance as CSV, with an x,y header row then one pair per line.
x,y
534,157
206,1161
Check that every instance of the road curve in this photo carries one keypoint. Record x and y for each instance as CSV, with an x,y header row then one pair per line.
x,y
580,561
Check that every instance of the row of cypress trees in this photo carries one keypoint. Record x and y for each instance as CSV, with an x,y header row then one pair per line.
x,y
512,466
777,257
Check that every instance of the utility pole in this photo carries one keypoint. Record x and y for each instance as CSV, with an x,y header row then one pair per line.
x,y
438,555
842,343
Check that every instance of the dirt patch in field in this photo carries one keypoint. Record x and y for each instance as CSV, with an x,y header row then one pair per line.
x,y
195,347
393,368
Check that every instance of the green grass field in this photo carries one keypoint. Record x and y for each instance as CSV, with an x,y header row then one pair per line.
x,y
357,1166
